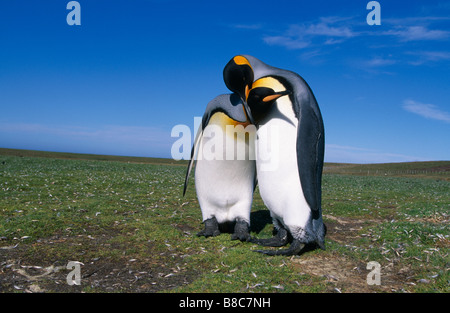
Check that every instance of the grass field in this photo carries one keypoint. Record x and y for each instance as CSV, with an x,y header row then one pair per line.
x,y
126,221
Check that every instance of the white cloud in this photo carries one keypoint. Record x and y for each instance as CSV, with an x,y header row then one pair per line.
x,y
435,55
429,56
323,29
341,147
327,31
332,41
287,42
106,132
415,20
349,154
415,33
429,111
301,36
247,26
379,61
313,54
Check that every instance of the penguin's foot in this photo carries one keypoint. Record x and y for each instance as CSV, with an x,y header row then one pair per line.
x,y
241,231
321,244
280,239
294,249
211,228
321,239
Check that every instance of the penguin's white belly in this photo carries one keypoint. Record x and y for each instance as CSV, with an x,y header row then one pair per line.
x,y
224,186
277,167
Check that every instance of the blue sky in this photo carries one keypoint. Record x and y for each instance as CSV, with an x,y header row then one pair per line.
x,y
119,82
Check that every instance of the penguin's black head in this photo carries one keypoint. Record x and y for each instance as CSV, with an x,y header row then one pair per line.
x,y
261,99
238,76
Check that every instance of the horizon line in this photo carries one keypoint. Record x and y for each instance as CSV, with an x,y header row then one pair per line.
x,y
14,151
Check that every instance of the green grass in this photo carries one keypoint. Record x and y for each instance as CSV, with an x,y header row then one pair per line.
x,y
431,169
106,211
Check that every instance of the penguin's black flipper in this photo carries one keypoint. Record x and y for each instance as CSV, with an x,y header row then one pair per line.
x,y
310,153
280,239
194,149
192,160
294,249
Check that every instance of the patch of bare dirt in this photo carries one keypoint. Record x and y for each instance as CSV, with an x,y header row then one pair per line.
x,y
23,271
348,276
344,230
344,274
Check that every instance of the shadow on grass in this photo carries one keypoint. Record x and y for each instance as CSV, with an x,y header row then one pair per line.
x,y
259,220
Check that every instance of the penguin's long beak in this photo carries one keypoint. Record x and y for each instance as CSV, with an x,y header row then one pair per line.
x,y
246,107
276,95
248,113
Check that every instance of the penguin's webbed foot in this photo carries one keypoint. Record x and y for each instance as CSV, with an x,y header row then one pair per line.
x,y
211,228
241,231
280,239
294,249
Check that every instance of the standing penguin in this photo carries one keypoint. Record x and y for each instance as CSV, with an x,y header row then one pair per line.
x,y
289,151
225,174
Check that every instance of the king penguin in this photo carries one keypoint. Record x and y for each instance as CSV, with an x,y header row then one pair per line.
x,y
225,171
289,152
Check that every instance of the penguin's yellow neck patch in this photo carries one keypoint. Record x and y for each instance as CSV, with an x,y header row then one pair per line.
x,y
269,82
221,119
240,60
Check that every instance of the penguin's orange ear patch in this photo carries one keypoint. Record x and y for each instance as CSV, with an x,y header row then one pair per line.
x,y
240,60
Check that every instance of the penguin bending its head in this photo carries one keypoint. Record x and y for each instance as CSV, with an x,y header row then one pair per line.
x,y
225,174
290,151
238,77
